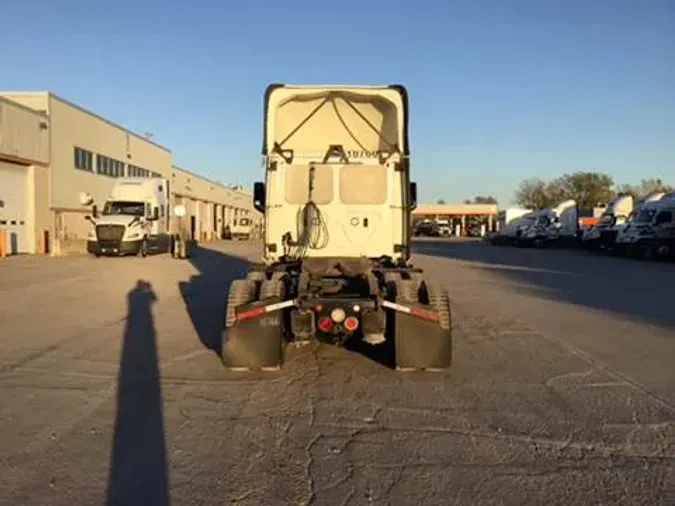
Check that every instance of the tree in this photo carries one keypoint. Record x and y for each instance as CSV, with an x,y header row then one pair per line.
x,y
644,188
586,188
480,199
440,202
534,193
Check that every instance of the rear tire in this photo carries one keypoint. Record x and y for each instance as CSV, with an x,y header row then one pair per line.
x,y
440,301
427,348
407,290
242,291
275,287
249,345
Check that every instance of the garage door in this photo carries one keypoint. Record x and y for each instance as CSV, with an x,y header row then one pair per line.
x,y
14,207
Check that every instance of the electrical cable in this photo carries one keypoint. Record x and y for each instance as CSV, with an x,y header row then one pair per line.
x,y
312,230
311,226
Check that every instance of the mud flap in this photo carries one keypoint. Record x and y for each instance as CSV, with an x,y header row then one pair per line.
x,y
421,343
255,341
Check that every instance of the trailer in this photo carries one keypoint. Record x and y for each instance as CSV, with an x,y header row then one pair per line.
x,y
337,201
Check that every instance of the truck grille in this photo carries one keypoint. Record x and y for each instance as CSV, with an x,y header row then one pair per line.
x,y
109,232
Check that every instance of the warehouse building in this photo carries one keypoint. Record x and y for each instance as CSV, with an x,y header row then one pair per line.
x,y
52,152
209,205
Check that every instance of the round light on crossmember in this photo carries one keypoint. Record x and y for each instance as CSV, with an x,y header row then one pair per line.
x,y
338,315
325,324
356,308
351,323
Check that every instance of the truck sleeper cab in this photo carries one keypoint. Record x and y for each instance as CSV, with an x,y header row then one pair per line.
x,y
337,203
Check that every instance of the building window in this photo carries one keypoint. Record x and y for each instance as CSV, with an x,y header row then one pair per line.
x,y
135,171
84,160
110,167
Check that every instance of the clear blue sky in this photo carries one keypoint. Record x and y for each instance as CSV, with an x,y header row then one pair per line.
x,y
501,90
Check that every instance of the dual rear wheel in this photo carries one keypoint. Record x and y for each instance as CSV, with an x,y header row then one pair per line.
x,y
419,344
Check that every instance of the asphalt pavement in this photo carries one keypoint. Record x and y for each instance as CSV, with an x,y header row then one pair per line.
x,y
562,390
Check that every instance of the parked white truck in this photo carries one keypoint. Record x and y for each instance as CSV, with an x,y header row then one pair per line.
x,y
652,231
603,234
553,225
511,223
135,219
444,227
242,228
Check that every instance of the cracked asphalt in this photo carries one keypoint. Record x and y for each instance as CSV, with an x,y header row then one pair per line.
x,y
562,390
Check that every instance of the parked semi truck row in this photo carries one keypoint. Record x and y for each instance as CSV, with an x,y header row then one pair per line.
x,y
555,225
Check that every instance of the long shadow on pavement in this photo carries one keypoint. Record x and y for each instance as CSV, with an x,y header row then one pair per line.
x,y
636,289
206,293
138,472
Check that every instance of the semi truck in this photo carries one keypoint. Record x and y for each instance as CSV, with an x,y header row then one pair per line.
x,y
135,219
651,232
510,225
337,201
555,225
603,233
242,228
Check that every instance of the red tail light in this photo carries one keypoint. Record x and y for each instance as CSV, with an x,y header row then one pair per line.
x,y
351,323
325,324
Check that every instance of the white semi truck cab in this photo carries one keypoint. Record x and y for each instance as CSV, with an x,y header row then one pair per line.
x,y
652,229
337,200
135,219
603,233
559,223
242,228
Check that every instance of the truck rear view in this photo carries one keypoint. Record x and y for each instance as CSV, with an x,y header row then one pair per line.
x,y
337,201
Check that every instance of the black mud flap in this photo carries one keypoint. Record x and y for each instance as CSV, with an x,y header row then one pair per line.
x,y
255,341
421,343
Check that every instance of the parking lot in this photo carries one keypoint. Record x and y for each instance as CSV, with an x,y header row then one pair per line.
x,y
562,390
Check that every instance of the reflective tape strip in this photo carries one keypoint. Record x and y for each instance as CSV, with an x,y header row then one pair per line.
x,y
396,307
259,311
280,305
413,311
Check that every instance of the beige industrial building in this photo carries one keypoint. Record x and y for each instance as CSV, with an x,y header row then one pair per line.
x,y
52,152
